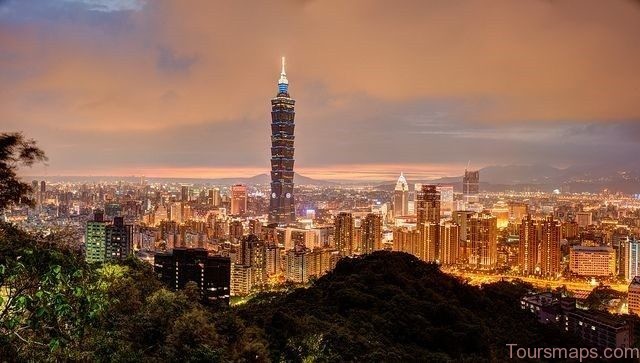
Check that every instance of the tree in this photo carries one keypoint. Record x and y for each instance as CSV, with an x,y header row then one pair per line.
x,y
16,150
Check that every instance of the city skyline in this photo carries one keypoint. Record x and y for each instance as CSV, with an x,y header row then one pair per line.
x,y
122,88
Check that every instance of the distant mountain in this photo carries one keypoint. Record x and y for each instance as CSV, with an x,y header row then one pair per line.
x,y
254,180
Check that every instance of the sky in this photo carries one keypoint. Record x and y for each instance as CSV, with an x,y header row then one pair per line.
x,y
182,88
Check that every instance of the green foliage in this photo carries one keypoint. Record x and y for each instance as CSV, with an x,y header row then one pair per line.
x,y
16,150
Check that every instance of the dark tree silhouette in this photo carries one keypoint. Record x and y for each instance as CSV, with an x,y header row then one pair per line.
x,y
16,150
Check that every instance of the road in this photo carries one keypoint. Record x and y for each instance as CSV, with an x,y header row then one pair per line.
x,y
477,279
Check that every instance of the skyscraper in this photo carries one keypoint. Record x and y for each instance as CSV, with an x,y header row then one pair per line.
x,y
184,193
371,233
281,205
343,234
484,241
401,197
470,187
428,219
238,200
448,243
528,246
551,232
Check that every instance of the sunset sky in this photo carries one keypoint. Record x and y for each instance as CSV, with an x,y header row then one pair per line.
x,y
183,87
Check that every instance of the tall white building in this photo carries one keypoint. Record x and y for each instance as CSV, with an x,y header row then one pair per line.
x,y
401,197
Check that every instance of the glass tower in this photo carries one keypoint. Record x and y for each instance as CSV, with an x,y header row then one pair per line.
x,y
281,206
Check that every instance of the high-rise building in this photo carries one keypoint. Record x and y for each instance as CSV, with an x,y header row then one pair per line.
x,y
528,246
446,200
470,187
484,241
281,205
428,205
344,233
254,254
631,263
401,197
371,233
212,274
214,197
633,296
427,221
118,240
95,237
184,194
449,238
238,200
551,233
406,240
236,231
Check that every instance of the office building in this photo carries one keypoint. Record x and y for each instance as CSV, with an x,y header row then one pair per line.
x,y
281,205
238,200
401,197
592,261
470,187
212,274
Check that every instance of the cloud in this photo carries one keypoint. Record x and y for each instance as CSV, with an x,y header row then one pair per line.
x,y
421,82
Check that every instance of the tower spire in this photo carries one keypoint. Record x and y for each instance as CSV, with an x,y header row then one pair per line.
x,y
283,82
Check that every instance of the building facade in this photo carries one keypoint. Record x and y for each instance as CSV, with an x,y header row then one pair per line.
x,y
281,205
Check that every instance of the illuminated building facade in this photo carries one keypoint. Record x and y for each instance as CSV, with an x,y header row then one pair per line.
x,y
470,187
592,261
634,296
401,197
371,233
484,241
238,200
281,205
528,246
343,233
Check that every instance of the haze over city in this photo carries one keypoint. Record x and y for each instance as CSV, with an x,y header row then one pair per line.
x,y
161,89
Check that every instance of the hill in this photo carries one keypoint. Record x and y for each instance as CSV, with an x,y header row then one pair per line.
x,y
390,306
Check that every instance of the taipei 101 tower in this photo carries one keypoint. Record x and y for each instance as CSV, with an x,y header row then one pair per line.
x,y
281,206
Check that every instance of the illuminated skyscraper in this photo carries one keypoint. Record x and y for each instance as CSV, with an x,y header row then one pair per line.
x,y
184,193
401,197
428,219
343,233
484,241
448,243
238,200
281,206
551,233
470,187
528,247
371,233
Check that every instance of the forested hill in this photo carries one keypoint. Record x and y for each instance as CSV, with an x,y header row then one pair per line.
x,y
393,307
